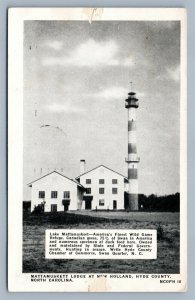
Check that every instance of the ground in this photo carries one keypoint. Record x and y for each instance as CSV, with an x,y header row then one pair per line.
x,y
167,225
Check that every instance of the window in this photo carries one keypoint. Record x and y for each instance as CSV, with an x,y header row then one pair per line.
x,y
101,190
88,181
54,194
101,181
114,181
42,194
101,202
67,195
88,190
114,190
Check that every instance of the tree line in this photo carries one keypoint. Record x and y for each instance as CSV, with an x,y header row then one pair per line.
x,y
159,203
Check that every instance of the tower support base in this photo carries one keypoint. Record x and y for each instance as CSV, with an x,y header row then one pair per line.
x,y
132,202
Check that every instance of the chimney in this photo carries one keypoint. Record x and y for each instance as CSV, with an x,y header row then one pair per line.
x,y
82,166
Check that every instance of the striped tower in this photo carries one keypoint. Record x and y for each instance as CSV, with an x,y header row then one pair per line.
x,y
132,159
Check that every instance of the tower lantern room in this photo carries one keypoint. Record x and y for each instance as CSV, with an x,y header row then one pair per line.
x,y
132,101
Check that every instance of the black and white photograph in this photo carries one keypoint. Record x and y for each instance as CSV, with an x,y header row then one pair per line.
x,y
103,117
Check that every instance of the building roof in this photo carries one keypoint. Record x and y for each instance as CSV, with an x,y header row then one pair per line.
x,y
73,180
104,167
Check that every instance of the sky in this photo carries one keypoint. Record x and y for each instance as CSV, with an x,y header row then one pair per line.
x,y
76,78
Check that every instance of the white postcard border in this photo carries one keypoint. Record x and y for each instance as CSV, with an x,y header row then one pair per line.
x,y
19,281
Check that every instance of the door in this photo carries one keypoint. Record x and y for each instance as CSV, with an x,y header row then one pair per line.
x,y
66,205
88,200
114,204
88,204
53,207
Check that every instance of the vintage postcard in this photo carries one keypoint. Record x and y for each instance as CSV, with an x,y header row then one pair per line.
x,y
97,152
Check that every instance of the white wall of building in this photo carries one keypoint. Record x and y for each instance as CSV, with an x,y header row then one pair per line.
x,y
59,183
108,196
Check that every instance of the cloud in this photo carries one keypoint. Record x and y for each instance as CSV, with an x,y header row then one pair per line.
x,y
111,93
140,94
128,62
90,54
114,92
54,45
64,108
174,73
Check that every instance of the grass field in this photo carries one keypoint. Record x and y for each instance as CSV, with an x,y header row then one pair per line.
x,y
157,217
167,224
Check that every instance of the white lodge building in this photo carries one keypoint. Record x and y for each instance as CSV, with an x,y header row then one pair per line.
x,y
57,192
98,189
104,189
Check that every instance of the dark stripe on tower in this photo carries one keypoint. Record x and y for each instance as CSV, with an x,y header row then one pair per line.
x,y
132,148
131,125
132,174
132,202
